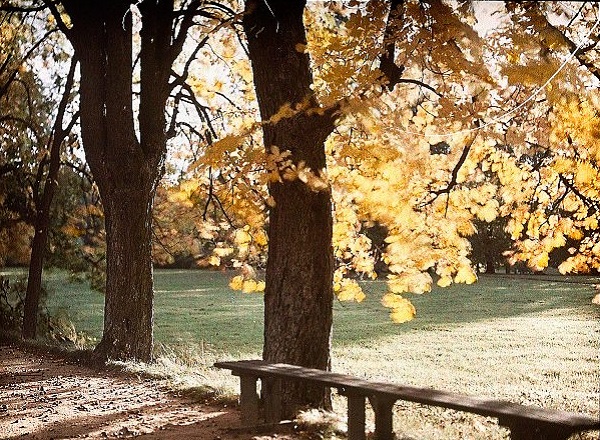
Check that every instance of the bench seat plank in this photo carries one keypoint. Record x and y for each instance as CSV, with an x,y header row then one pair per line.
x,y
524,422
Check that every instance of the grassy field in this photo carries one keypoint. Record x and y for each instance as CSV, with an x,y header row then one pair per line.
x,y
528,339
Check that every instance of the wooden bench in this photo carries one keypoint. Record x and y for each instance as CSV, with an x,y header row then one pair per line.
x,y
524,422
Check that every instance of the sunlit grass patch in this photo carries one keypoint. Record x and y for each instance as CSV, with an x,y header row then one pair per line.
x,y
549,359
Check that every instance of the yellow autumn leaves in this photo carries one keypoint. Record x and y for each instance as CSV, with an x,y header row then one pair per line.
x,y
402,309
556,204
246,285
380,173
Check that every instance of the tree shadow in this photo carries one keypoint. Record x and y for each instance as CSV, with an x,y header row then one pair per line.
x,y
64,400
72,427
161,420
20,378
492,297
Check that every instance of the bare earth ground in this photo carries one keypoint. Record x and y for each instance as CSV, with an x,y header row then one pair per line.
x,y
46,397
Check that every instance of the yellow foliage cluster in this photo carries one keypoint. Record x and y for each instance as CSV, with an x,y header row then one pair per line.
x,y
246,285
347,289
377,172
539,170
387,177
15,244
558,187
343,55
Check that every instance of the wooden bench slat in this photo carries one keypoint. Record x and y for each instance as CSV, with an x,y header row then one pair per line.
x,y
524,422
507,412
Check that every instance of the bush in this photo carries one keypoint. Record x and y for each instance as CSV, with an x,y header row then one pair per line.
x,y
56,327
12,302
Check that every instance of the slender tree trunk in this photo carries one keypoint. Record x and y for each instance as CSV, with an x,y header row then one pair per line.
x,y
42,220
298,295
36,264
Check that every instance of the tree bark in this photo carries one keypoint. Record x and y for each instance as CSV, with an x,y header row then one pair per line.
x,y
36,263
128,306
42,219
298,294
126,170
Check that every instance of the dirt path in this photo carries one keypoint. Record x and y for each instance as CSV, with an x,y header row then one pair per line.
x,y
45,397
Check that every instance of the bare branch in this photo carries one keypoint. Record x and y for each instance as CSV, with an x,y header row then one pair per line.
x,y
387,61
201,110
454,177
212,197
180,79
186,24
58,130
192,11
28,54
461,161
419,83
58,17
587,201
7,7
392,73
82,170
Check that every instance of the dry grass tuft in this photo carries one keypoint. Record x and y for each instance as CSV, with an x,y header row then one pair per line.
x,y
188,371
321,424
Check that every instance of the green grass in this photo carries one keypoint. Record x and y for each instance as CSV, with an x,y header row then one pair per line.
x,y
198,306
528,339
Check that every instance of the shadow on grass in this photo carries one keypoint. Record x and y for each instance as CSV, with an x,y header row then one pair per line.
x,y
492,297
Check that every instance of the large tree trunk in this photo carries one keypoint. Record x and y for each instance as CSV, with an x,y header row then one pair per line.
x,y
129,285
298,295
126,170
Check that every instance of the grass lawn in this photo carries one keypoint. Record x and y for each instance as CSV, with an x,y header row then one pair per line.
x,y
528,339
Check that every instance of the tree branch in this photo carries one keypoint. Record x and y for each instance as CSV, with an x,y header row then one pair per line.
x,y
201,110
82,170
454,177
419,83
588,202
6,7
184,27
58,130
58,17
212,197
392,73
25,57
387,60
581,52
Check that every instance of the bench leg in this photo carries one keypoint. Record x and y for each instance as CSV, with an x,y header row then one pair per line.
x,y
383,408
356,417
249,400
272,399
533,431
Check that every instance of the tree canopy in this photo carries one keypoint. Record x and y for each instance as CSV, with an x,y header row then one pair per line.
x,y
463,131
